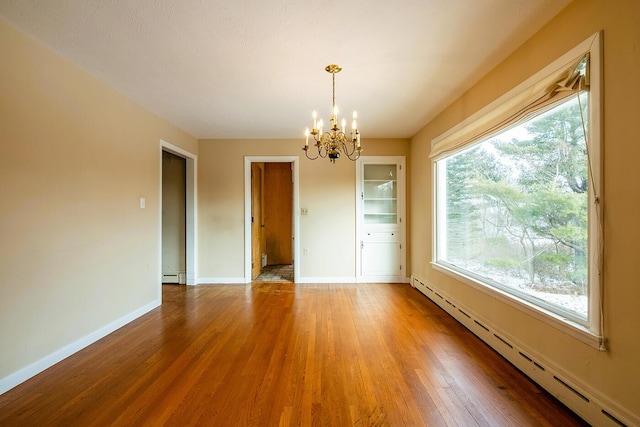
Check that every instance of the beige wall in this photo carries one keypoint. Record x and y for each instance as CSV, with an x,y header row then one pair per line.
x,y
614,373
326,190
77,253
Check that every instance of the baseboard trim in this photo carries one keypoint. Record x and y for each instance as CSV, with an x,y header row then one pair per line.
x,y
221,281
18,377
383,279
591,405
303,280
348,279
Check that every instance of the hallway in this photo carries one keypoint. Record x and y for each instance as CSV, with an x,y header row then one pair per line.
x,y
276,273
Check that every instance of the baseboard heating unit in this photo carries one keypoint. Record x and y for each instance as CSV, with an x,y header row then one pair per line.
x,y
589,404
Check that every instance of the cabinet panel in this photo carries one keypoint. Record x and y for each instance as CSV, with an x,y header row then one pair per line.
x,y
380,258
381,236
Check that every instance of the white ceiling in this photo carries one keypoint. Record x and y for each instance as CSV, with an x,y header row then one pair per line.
x,y
255,69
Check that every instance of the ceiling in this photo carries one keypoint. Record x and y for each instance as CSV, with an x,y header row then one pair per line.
x,y
255,69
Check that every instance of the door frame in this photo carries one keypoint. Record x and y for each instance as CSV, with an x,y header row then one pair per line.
x,y
247,210
257,218
191,211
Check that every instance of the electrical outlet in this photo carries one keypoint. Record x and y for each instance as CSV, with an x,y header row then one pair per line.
x,y
305,251
304,211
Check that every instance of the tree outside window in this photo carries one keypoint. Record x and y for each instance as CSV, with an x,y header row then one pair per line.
x,y
516,213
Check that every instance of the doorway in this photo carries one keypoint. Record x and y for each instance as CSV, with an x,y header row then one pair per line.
x,y
174,209
271,220
188,247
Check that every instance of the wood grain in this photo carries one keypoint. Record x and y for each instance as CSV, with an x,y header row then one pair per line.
x,y
281,354
278,211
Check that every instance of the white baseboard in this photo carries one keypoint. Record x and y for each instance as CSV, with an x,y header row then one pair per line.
x,y
242,281
348,279
221,281
12,380
301,280
383,279
591,405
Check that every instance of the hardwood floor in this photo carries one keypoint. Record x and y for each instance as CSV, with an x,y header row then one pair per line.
x,y
270,354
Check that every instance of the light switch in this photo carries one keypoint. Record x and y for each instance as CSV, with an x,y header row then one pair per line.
x,y
143,202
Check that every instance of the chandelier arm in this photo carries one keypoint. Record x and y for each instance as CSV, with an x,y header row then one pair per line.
x,y
346,143
346,150
349,152
322,147
354,155
306,152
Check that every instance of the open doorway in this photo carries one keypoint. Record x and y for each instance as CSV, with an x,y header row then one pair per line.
x,y
177,215
271,223
174,226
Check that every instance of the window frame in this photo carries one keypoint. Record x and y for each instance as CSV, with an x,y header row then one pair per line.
x,y
591,331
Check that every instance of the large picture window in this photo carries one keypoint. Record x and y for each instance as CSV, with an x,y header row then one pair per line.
x,y
517,199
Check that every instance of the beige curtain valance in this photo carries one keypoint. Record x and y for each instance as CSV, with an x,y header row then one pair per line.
x,y
530,102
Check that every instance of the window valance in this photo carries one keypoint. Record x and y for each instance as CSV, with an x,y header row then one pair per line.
x,y
536,98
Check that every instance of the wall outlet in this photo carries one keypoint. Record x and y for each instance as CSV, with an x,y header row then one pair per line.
x,y
305,251
304,211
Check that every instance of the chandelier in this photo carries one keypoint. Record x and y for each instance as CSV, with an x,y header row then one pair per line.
x,y
335,141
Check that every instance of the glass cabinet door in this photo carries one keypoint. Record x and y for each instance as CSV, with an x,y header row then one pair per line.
x,y
380,187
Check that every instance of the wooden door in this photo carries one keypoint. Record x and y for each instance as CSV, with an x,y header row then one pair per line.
x,y
256,219
278,213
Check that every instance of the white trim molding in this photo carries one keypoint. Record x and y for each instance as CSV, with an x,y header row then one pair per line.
x,y
12,380
327,280
221,281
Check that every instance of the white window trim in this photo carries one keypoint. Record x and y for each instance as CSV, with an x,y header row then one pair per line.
x,y
592,332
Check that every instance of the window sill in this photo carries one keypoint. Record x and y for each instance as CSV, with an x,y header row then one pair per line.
x,y
567,326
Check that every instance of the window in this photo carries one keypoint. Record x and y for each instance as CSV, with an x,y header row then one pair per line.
x,y
517,198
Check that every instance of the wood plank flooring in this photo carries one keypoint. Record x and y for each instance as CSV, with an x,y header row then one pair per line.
x,y
279,354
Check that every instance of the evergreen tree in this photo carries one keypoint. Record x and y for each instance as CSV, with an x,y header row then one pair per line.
x,y
520,206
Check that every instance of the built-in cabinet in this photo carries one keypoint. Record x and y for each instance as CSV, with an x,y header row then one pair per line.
x,y
380,201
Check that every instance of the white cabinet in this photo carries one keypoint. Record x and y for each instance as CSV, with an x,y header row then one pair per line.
x,y
380,253
380,201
